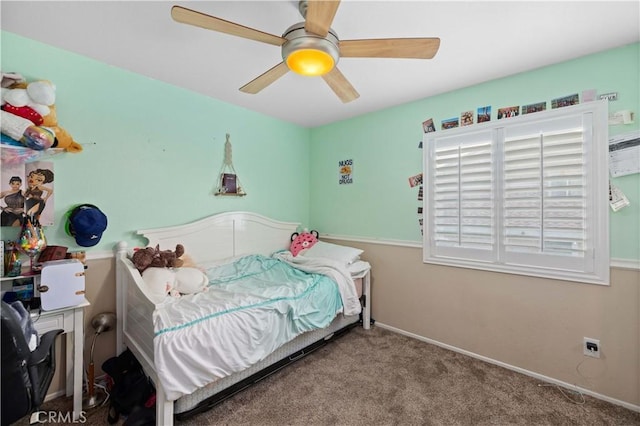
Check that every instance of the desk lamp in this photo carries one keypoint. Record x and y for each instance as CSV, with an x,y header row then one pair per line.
x,y
102,322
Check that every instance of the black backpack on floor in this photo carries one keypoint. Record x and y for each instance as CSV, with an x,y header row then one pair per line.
x,y
131,386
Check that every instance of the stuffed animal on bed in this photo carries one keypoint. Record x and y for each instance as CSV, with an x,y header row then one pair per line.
x,y
302,241
162,282
154,257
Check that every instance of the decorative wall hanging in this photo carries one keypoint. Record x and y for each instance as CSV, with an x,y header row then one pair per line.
x,y
27,189
229,183
345,172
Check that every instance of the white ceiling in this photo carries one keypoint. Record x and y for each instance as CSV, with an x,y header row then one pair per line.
x,y
480,41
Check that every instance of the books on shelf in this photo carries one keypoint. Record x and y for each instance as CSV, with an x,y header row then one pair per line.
x,y
229,183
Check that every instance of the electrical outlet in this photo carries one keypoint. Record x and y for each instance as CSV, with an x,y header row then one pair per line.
x,y
591,347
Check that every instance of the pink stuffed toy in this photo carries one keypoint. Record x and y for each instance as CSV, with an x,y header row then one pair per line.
x,y
302,241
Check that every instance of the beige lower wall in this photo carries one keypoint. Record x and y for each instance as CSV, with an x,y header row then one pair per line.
x,y
100,287
535,324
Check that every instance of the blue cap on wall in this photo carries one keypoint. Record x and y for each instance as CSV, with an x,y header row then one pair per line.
x,y
86,223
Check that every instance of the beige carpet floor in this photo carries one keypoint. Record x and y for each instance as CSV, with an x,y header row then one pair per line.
x,y
378,377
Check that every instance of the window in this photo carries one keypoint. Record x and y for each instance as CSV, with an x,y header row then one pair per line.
x,y
525,195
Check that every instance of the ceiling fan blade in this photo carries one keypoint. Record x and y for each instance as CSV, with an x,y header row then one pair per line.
x,y
262,81
340,85
319,16
418,48
202,20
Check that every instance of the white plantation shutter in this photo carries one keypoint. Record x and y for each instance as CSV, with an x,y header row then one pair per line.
x,y
463,208
524,195
545,193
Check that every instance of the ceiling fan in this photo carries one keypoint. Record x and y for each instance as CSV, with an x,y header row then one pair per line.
x,y
312,48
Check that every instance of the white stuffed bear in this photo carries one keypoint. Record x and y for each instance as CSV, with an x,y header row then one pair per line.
x,y
190,280
39,96
161,282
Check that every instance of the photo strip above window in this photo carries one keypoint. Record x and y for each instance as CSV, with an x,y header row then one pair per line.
x,y
229,183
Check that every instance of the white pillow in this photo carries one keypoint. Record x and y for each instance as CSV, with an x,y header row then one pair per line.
x,y
344,254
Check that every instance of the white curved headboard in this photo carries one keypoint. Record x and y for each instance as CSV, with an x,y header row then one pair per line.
x,y
209,239
224,235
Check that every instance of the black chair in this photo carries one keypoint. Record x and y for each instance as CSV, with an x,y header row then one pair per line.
x,y
26,375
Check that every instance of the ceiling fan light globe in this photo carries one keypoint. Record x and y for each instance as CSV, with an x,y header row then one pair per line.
x,y
310,62
309,54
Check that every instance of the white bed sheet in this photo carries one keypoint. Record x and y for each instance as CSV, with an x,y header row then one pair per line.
x,y
335,270
196,345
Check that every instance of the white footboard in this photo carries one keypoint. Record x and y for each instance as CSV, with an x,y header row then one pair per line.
x,y
135,328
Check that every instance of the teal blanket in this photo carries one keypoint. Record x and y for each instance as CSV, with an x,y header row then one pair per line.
x,y
251,307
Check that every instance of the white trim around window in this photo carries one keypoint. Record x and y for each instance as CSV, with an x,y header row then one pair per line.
x,y
525,195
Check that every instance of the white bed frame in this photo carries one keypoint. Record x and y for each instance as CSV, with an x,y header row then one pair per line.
x,y
212,238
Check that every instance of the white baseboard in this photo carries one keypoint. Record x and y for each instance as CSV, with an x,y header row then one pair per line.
x,y
538,376
62,392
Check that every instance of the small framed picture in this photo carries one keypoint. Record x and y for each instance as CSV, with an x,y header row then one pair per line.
x,y
428,126
484,114
450,123
415,180
229,183
508,112
531,108
345,172
466,118
565,101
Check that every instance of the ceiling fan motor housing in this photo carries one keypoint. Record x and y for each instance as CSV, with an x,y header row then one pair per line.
x,y
299,39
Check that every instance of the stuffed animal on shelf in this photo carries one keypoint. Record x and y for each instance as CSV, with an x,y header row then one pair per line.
x,y
29,114
37,96
22,129
11,79
302,241
63,139
154,257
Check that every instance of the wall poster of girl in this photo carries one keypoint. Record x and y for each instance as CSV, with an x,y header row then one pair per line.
x,y
27,189
12,195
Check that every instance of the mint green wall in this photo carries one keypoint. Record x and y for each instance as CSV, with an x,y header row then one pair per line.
x,y
152,151
384,146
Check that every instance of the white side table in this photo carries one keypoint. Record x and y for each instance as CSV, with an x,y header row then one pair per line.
x,y
366,292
